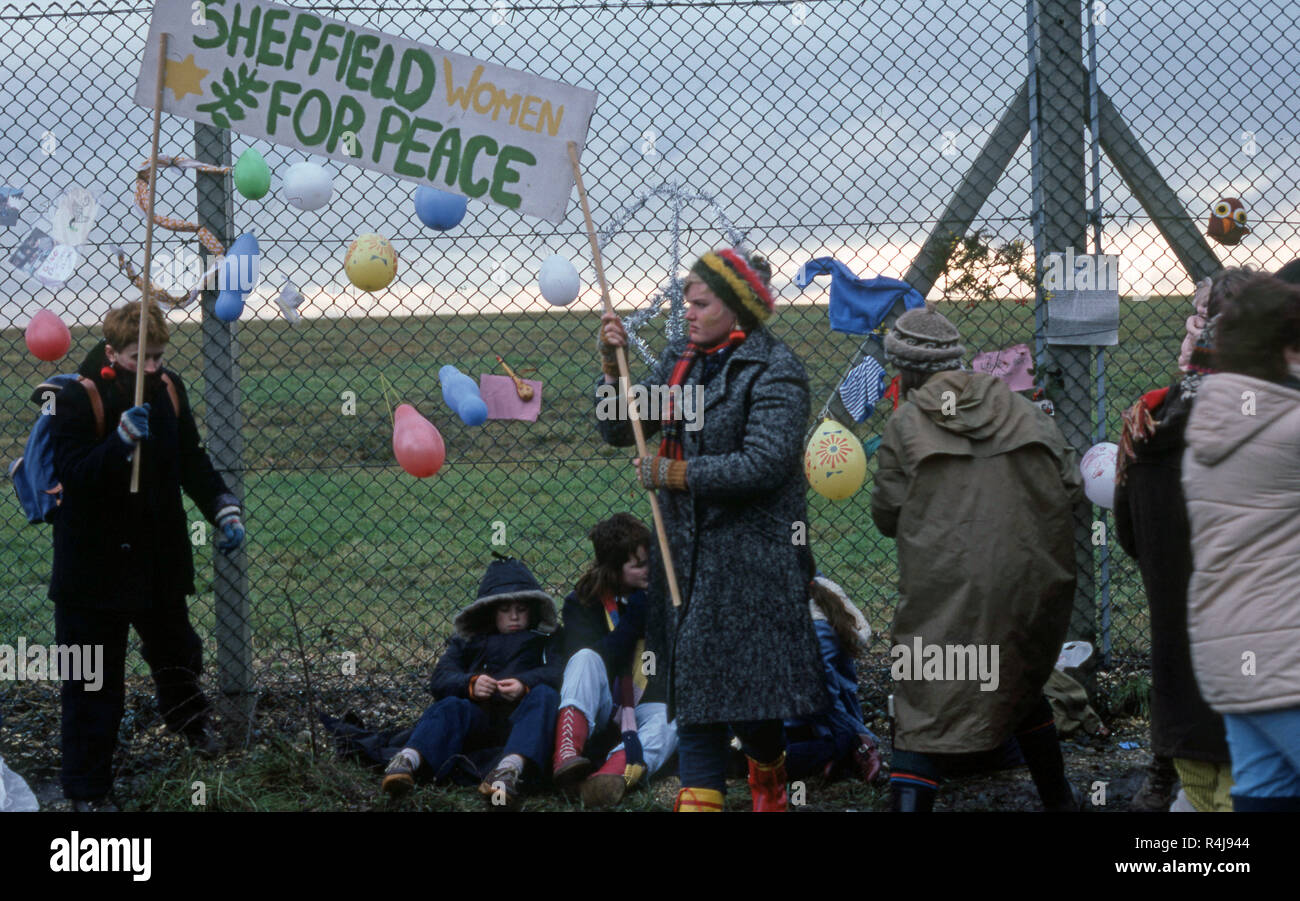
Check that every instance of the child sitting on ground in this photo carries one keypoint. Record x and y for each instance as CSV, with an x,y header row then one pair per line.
x,y
495,684
837,740
606,694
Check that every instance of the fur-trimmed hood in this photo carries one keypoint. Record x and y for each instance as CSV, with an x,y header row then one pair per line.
x,y
861,627
507,579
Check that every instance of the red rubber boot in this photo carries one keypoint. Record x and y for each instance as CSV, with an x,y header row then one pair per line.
x,y
767,785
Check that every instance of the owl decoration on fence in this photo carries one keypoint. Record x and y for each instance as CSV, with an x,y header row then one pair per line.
x,y
1227,222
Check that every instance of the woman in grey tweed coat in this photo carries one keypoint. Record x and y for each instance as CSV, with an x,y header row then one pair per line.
x,y
741,650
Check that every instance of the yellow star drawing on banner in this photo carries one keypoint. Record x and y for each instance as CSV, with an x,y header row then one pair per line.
x,y
184,77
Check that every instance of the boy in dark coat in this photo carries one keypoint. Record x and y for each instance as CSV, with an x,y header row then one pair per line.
x,y
495,684
123,559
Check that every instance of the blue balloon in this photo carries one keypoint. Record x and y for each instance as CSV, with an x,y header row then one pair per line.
x,y
460,392
239,267
229,305
473,411
236,277
438,209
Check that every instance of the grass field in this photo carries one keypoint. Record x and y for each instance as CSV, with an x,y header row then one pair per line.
x,y
376,563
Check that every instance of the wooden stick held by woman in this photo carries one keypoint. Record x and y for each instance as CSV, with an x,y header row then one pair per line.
x,y
626,379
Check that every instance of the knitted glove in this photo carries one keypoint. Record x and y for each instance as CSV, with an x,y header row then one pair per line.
x,y
229,523
233,530
662,472
635,767
609,360
133,426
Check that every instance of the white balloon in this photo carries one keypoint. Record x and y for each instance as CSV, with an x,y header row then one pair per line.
x,y
1098,470
559,281
307,186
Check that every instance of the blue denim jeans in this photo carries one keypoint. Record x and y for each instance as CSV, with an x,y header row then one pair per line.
x,y
702,755
1265,750
452,725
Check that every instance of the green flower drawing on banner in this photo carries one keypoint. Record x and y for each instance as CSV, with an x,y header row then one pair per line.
x,y
236,95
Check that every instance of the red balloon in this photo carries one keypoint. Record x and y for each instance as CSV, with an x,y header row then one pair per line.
x,y
47,337
416,443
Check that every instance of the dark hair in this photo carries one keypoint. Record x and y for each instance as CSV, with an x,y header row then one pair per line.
x,y
1224,285
1290,273
1257,323
614,540
846,629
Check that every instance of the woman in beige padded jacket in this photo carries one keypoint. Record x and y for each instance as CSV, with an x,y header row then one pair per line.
x,y
1241,479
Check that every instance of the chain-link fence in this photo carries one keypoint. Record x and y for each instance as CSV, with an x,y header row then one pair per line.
x,y
820,129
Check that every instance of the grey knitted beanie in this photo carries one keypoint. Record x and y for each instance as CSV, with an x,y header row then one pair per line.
x,y
925,341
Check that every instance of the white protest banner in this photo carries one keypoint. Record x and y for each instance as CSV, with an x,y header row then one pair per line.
x,y
375,100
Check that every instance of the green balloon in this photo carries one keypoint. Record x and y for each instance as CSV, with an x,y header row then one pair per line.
x,y
252,175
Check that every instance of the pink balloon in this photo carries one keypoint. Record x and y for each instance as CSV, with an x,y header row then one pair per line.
x,y
47,337
416,443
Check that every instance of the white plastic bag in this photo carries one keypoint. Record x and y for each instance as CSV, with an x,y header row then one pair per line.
x,y
15,796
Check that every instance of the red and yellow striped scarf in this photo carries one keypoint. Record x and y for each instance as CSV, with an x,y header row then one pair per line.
x,y
672,426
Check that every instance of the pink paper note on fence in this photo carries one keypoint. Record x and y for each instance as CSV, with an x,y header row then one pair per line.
x,y
503,402
1012,365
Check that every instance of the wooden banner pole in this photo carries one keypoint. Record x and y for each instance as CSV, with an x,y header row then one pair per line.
x,y
146,303
626,380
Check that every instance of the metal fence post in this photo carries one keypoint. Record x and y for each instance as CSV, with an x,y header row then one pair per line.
x,y
224,425
1056,93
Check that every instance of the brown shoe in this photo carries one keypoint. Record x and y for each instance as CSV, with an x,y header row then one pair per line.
x,y
501,788
603,790
399,777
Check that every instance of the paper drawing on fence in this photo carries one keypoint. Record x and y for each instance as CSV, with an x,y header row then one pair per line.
x,y
1011,364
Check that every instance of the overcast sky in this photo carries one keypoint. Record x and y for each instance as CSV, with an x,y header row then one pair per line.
x,y
822,127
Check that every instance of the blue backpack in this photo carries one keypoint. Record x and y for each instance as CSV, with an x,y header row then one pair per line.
x,y
33,473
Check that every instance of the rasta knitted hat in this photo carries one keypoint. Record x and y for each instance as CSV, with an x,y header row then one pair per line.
x,y
738,282
924,340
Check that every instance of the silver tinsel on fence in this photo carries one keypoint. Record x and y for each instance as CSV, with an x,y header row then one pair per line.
x,y
679,198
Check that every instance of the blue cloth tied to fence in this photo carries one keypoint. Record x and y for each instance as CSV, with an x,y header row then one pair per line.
x,y
858,305
862,388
